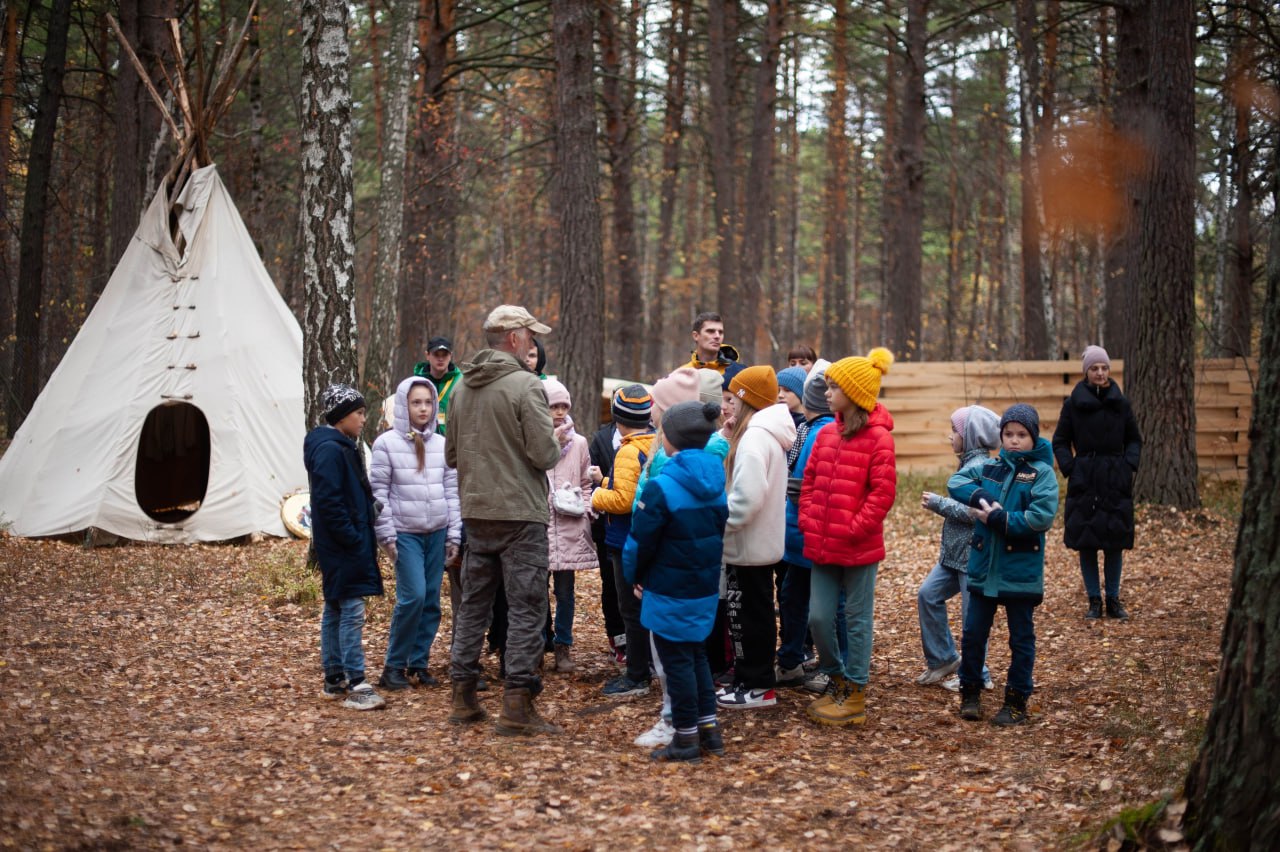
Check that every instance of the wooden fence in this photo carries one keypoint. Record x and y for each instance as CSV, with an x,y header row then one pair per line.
x,y
922,395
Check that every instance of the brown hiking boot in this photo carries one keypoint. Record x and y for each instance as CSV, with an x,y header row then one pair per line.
x,y
466,707
848,705
564,660
520,717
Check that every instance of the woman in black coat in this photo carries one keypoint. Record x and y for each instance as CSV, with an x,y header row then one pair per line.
x,y
1097,446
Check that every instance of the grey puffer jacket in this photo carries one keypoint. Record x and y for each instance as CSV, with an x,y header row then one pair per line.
x,y
414,501
981,436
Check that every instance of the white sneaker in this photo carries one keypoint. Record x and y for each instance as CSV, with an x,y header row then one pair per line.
x,y
362,697
789,677
953,683
659,735
932,676
817,682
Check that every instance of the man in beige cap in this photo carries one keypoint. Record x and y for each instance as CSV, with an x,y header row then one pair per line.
x,y
500,440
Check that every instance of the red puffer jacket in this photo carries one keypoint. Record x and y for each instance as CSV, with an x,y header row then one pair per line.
x,y
849,487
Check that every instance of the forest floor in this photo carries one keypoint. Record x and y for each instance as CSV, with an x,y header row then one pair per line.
x,y
157,696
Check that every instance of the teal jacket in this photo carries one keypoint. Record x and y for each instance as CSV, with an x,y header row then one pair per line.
x,y
1006,558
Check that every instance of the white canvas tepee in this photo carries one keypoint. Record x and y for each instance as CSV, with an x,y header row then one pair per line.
x,y
176,415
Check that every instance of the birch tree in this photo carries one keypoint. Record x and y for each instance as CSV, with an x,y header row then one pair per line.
x,y
326,207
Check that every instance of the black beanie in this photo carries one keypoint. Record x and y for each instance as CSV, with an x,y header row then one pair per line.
x,y
1025,414
688,425
338,401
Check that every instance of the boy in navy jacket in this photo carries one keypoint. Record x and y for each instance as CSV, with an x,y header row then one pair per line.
x,y
672,558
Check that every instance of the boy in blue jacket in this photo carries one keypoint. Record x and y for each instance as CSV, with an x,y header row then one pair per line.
x,y
1014,498
672,559
342,516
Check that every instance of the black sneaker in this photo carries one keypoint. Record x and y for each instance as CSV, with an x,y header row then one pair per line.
x,y
393,680
623,687
422,678
334,689
1095,608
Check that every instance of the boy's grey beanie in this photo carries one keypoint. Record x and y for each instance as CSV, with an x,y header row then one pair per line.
x,y
688,425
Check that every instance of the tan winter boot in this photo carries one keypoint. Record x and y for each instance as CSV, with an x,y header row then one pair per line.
x,y
564,660
835,687
520,717
466,707
848,707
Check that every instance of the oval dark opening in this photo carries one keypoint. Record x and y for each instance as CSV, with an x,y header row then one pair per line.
x,y
172,475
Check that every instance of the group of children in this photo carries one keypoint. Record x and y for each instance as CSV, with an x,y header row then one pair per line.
x,y
721,483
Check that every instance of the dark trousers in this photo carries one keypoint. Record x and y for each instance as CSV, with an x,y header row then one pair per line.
x,y
638,659
689,685
613,623
1113,564
515,554
719,644
1020,613
793,609
751,619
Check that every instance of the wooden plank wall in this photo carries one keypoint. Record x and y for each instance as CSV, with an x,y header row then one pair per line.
x,y
922,395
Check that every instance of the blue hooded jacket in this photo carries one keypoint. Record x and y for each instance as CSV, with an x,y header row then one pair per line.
x,y
675,546
794,551
1007,554
342,515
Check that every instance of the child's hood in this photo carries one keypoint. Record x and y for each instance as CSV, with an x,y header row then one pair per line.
x,y
401,424
317,438
642,440
1041,452
698,472
981,430
488,366
776,421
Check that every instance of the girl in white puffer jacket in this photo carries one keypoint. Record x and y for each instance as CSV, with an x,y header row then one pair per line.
x,y
419,527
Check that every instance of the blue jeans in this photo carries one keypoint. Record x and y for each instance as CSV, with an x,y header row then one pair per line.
x,y
858,583
416,618
1020,613
562,587
693,695
1112,564
940,586
341,635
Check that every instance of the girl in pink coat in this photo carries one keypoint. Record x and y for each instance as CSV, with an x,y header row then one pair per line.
x,y
568,532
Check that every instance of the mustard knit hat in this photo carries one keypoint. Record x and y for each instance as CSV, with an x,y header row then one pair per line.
x,y
756,386
859,378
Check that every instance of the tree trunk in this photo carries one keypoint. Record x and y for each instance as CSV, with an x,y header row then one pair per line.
x,y
257,124
137,119
723,160
904,245
427,307
1237,301
8,90
657,347
379,380
834,283
759,189
955,232
1126,108
618,95
326,206
1037,298
580,335
27,349
1162,370
1233,786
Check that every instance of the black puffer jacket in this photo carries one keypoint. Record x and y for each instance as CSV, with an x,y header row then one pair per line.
x,y
1097,446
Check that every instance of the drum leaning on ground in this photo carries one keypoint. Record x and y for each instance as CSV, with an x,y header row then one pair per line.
x,y
295,511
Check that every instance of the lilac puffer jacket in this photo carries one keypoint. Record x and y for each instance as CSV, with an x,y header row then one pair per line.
x,y
414,501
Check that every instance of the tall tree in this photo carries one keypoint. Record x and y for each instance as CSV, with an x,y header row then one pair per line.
x,y
137,121
326,207
31,247
1035,123
1162,369
618,95
1127,107
8,90
673,127
904,227
834,283
723,158
1233,786
427,306
580,253
1236,330
383,324
757,201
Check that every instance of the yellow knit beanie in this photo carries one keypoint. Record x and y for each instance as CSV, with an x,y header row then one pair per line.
x,y
859,378
756,386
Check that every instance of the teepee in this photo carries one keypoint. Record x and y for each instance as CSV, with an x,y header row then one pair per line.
x,y
176,414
